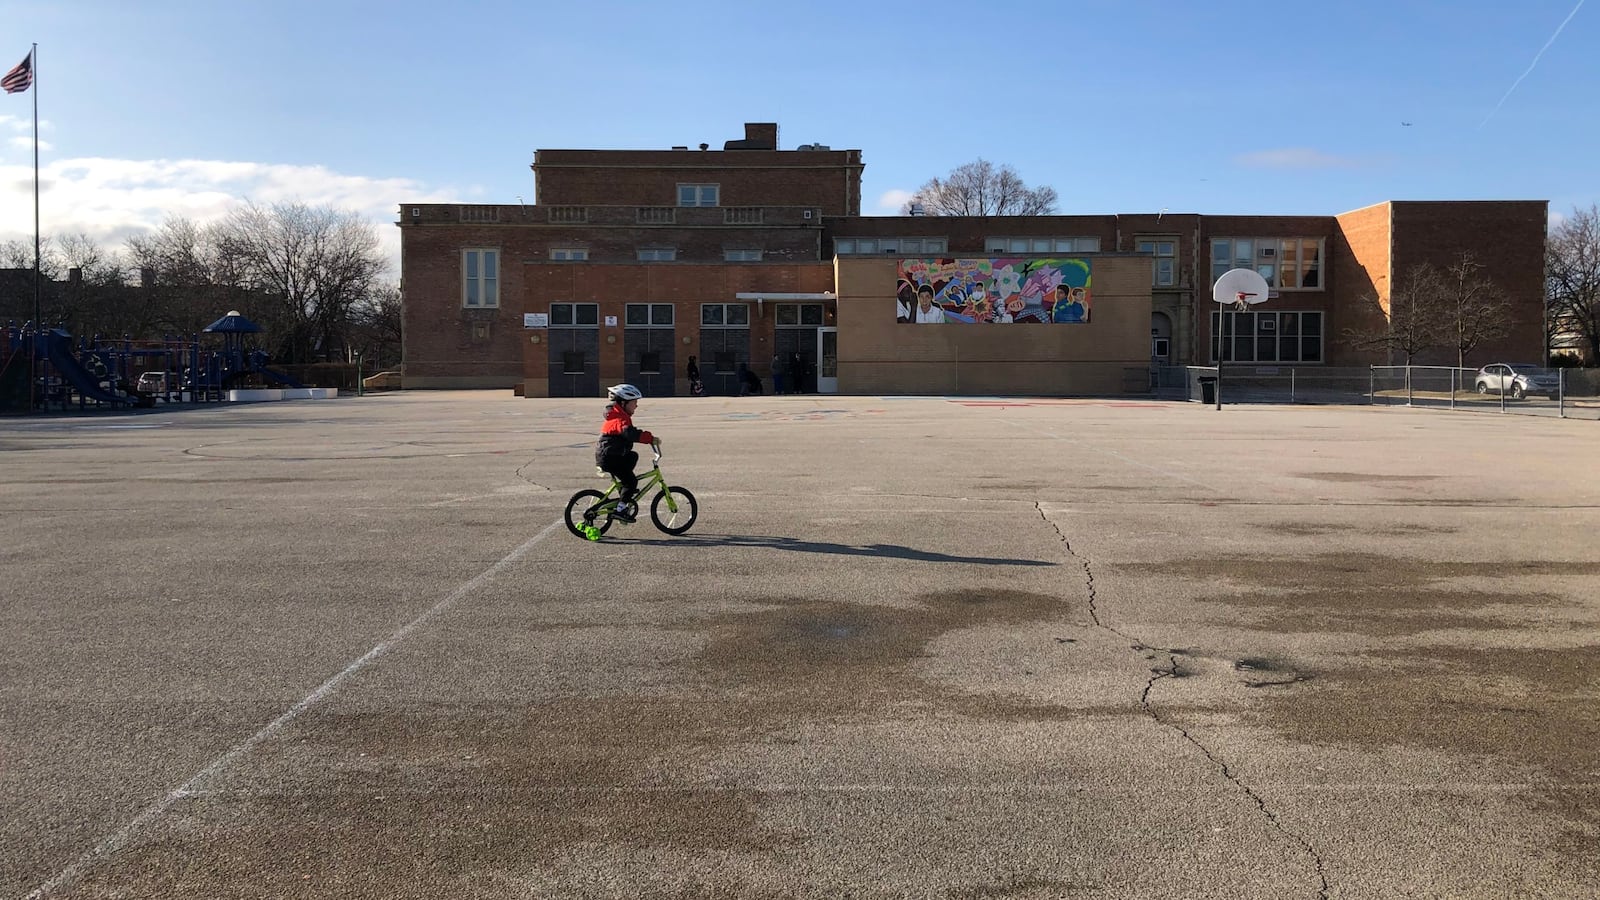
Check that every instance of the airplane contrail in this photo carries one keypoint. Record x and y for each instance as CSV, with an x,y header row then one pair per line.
x,y
1532,64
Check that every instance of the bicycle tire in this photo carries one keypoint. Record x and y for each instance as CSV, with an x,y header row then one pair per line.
x,y
579,518
674,522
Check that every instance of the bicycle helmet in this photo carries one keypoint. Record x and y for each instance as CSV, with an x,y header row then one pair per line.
x,y
623,392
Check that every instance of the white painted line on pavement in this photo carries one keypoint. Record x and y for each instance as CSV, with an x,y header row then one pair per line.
x,y
122,836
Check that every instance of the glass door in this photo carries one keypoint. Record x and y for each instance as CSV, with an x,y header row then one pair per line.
x,y
827,360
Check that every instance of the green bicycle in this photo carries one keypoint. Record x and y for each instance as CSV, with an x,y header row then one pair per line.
x,y
674,510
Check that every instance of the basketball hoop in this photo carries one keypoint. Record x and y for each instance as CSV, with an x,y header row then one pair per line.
x,y
1243,288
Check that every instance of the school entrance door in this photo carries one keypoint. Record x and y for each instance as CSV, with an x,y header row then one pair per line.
x,y
827,360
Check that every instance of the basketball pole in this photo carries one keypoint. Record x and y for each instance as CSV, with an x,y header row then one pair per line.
x,y
1222,349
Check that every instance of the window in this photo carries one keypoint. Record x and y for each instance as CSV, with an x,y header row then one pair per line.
x,y
724,315
1270,337
480,278
569,253
1160,348
658,254
798,315
742,255
698,194
1166,263
1040,244
649,315
905,246
1292,263
574,315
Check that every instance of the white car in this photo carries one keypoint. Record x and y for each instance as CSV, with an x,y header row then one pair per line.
x,y
153,383
1518,379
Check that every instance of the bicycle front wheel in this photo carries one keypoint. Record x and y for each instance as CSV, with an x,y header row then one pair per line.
x,y
581,514
674,510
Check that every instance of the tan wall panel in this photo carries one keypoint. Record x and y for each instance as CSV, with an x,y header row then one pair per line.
x,y
879,355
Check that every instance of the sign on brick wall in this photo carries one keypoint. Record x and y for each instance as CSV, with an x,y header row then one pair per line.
x,y
535,320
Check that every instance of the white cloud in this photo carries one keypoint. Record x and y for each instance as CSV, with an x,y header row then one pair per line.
x,y
891,202
111,199
1294,158
26,143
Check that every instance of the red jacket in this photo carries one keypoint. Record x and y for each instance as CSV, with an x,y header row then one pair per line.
x,y
618,435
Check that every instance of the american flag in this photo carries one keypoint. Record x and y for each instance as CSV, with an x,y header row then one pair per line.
x,y
20,78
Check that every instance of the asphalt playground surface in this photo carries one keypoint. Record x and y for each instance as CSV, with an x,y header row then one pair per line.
x,y
912,647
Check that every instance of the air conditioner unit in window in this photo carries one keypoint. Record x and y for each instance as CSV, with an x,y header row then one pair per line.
x,y
808,214
1269,251
1268,325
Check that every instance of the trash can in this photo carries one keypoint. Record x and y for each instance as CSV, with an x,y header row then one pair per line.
x,y
1208,389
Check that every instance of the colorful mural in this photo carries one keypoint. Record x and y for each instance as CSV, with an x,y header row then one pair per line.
x,y
993,291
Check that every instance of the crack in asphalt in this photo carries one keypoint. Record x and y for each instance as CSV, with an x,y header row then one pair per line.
x,y
519,473
1173,670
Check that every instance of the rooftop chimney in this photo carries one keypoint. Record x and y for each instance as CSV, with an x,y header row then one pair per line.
x,y
757,136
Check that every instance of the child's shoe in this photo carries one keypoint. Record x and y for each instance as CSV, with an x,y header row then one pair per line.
x,y
626,512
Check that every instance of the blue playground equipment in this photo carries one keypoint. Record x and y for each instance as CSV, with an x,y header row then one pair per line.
x,y
46,369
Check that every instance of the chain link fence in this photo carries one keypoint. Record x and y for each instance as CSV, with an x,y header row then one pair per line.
x,y
1524,390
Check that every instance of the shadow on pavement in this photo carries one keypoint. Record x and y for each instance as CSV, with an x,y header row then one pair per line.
x,y
797,545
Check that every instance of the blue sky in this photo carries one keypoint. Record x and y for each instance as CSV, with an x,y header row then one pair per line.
x,y
159,107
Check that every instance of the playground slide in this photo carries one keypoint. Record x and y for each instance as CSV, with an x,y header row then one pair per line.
x,y
59,349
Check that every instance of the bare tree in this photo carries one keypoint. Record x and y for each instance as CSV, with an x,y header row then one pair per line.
x,y
95,264
16,254
191,282
1472,309
979,189
375,327
316,262
1572,278
1412,322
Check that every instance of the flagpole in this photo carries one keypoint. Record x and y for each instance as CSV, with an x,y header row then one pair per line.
x,y
38,307
38,304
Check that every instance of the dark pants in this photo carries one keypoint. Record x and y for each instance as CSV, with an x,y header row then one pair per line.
x,y
621,468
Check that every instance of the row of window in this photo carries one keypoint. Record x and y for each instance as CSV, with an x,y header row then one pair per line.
x,y
1268,337
1294,263
661,315
574,362
855,246
1283,262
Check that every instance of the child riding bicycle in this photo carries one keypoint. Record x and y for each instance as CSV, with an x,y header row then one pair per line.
x,y
614,452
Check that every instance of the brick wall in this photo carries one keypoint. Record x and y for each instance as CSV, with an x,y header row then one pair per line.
x,y
1362,266
828,179
686,286
1508,238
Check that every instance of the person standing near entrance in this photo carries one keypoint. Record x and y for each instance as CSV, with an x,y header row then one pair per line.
x,y
695,387
777,374
797,373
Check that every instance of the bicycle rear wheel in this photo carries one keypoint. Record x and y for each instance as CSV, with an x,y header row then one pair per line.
x,y
582,515
674,521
